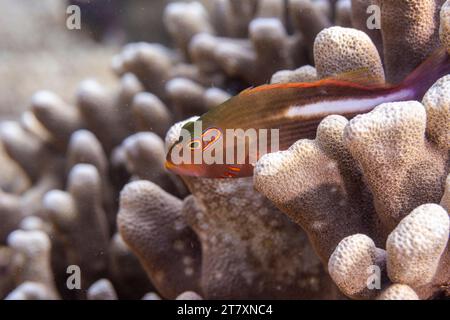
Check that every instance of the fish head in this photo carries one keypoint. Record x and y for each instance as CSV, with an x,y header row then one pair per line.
x,y
186,156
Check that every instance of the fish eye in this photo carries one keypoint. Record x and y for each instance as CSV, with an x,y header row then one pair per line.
x,y
194,144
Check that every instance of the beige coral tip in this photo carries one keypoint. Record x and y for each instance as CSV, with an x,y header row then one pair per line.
x,y
130,83
44,100
352,264
10,131
31,291
117,65
398,292
215,96
82,137
273,164
145,156
60,206
415,246
402,122
201,50
150,223
102,290
444,29
339,50
183,87
303,74
234,59
31,243
146,98
202,42
144,143
437,105
189,295
179,10
89,88
31,223
151,296
84,147
186,96
54,116
150,113
330,135
266,28
308,17
83,175
184,20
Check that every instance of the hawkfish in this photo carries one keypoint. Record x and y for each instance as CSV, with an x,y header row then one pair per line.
x,y
226,141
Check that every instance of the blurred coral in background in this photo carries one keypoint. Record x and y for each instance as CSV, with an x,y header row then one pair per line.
x,y
37,51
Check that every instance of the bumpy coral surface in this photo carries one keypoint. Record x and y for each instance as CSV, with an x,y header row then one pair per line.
x,y
360,211
358,181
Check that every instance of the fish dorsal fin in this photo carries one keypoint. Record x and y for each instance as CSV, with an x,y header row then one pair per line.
x,y
265,87
361,76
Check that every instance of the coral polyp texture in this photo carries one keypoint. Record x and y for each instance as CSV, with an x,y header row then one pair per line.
x,y
88,210
370,182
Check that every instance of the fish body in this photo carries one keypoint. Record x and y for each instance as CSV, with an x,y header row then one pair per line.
x,y
286,112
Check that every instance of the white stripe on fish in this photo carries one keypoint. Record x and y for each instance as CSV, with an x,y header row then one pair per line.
x,y
347,106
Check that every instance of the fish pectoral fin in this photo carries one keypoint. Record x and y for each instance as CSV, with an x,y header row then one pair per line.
x,y
361,76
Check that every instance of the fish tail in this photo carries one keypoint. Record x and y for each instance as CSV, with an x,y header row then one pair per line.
x,y
426,74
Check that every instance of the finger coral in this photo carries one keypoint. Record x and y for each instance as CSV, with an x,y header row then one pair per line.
x,y
398,292
359,180
30,291
414,253
428,226
350,264
81,221
102,290
189,295
32,256
410,26
339,50
150,223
